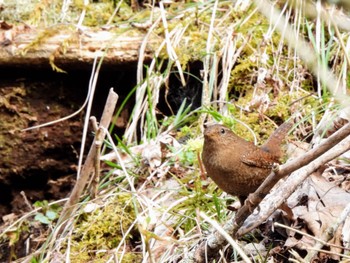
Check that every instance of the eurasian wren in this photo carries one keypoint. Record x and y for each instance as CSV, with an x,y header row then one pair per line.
x,y
237,166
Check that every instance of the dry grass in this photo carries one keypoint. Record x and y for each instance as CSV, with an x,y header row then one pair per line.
x,y
156,188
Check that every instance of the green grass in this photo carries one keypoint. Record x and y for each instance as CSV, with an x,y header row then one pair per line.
x,y
149,204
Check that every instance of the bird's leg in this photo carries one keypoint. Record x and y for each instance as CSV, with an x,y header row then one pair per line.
x,y
275,167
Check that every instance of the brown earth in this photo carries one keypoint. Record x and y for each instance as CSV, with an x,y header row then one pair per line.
x,y
42,162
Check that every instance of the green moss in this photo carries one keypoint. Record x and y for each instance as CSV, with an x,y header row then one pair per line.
x,y
103,230
205,198
252,122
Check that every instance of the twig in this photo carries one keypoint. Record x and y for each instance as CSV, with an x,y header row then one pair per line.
x,y
324,243
298,259
92,87
216,241
23,194
89,163
289,186
227,237
317,250
99,137
286,169
328,234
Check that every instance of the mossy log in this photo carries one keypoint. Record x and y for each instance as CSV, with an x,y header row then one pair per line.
x,y
31,93
66,47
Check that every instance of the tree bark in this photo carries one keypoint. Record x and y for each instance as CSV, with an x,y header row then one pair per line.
x,y
63,47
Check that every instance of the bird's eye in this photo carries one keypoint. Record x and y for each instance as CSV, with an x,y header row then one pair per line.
x,y
222,131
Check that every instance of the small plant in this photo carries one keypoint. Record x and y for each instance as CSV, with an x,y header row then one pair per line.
x,y
49,212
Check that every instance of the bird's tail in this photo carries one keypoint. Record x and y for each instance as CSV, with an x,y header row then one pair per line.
x,y
273,145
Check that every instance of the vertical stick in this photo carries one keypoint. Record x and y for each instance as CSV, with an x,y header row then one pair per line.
x,y
88,167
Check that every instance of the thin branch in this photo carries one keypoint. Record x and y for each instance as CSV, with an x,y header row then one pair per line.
x,y
319,240
329,233
232,242
89,163
215,241
276,199
286,169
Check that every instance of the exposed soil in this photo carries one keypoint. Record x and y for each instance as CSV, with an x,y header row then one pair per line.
x,y
42,162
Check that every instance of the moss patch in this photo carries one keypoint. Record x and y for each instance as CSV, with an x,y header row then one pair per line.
x,y
98,234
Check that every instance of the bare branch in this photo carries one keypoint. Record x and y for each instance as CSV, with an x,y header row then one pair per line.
x,y
215,241
88,167
286,169
288,187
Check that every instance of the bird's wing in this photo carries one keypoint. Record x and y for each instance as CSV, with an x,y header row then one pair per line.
x,y
259,159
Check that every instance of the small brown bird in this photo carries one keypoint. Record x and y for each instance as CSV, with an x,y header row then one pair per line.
x,y
237,166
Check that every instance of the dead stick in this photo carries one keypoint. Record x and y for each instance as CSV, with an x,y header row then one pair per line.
x,y
89,163
288,187
287,169
328,234
99,138
215,241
